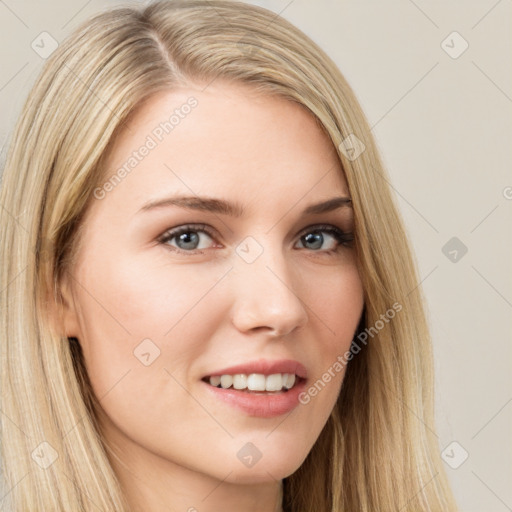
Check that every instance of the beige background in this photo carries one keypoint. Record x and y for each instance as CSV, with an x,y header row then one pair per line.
x,y
444,126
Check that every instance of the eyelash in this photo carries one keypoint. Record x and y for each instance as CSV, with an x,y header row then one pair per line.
x,y
343,238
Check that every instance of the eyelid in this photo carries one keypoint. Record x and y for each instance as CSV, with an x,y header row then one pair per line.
x,y
321,227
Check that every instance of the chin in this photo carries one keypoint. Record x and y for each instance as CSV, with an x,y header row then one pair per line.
x,y
274,466
263,475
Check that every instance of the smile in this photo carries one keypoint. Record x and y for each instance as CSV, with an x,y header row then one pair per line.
x,y
254,381
260,388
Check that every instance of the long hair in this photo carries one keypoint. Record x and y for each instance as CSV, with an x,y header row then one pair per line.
x,y
378,450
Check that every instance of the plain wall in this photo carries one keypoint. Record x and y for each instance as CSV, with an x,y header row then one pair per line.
x,y
444,126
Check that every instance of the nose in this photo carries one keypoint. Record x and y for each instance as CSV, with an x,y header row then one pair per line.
x,y
265,296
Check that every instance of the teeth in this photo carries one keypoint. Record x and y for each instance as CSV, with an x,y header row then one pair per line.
x,y
290,381
226,381
274,382
255,381
215,381
239,381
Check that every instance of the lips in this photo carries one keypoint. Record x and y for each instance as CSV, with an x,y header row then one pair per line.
x,y
262,388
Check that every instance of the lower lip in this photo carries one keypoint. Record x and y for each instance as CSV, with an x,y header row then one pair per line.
x,y
260,405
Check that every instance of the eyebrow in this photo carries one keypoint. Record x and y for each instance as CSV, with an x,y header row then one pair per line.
x,y
235,209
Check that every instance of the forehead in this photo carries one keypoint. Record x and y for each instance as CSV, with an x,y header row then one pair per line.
x,y
225,139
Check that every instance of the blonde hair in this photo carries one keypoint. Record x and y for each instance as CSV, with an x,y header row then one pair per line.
x,y
378,450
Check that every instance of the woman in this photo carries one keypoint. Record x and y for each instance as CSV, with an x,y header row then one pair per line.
x,y
181,178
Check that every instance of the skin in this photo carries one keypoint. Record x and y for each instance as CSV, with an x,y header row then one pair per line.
x,y
176,446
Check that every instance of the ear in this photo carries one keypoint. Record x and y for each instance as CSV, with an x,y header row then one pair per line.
x,y
63,310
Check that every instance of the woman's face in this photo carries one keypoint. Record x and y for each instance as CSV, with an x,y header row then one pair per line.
x,y
243,279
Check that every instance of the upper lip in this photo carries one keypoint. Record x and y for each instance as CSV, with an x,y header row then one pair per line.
x,y
265,367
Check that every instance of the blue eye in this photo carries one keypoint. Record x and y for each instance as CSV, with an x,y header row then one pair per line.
x,y
315,239
187,238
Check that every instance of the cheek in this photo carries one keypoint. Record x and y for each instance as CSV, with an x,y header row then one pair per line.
x,y
140,334
132,317
335,310
336,304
